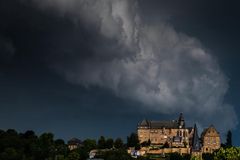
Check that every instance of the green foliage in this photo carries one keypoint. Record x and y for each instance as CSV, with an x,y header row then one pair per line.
x,y
229,153
175,156
229,139
60,157
28,146
44,147
89,144
132,141
208,156
73,156
118,143
101,143
142,158
117,155
166,145
195,158
146,143
10,154
109,143
60,147
83,153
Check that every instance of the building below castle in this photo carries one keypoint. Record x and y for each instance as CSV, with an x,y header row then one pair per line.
x,y
174,136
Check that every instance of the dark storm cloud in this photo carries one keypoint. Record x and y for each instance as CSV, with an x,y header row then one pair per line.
x,y
151,63
115,46
7,50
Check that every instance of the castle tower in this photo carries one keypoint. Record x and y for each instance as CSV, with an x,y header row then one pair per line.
x,y
181,122
196,150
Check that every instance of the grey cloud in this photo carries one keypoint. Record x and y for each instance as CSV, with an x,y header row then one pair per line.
x,y
165,70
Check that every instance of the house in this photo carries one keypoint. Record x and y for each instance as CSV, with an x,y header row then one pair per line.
x,y
74,143
210,139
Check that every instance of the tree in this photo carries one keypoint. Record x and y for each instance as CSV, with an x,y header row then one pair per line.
x,y
208,156
45,147
109,143
118,143
166,145
60,157
60,147
29,139
101,143
175,156
83,153
117,155
229,139
146,143
195,158
10,154
132,140
229,153
89,144
73,156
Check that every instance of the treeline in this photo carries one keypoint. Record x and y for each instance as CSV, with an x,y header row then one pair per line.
x,y
29,146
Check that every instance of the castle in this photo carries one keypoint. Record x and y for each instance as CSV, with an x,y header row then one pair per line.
x,y
174,136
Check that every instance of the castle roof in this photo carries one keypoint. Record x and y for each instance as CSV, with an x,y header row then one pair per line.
x,y
159,124
164,124
174,124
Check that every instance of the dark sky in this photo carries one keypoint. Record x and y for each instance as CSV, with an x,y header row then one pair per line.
x,y
90,68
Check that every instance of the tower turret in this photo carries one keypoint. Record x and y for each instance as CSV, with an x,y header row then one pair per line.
x,y
181,122
195,140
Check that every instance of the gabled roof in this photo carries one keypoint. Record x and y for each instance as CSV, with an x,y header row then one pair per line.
x,y
74,141
144,123
210,131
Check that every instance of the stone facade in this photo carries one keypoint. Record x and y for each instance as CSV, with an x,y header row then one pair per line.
x,y
210,140
174,134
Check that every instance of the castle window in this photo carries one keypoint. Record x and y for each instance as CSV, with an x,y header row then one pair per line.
x,y
180,133
214,141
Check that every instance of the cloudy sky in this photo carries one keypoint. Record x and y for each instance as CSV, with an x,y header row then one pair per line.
x,y
85,68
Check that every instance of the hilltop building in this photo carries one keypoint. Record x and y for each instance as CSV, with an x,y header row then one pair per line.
x,y
173,133
74,143
174,136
